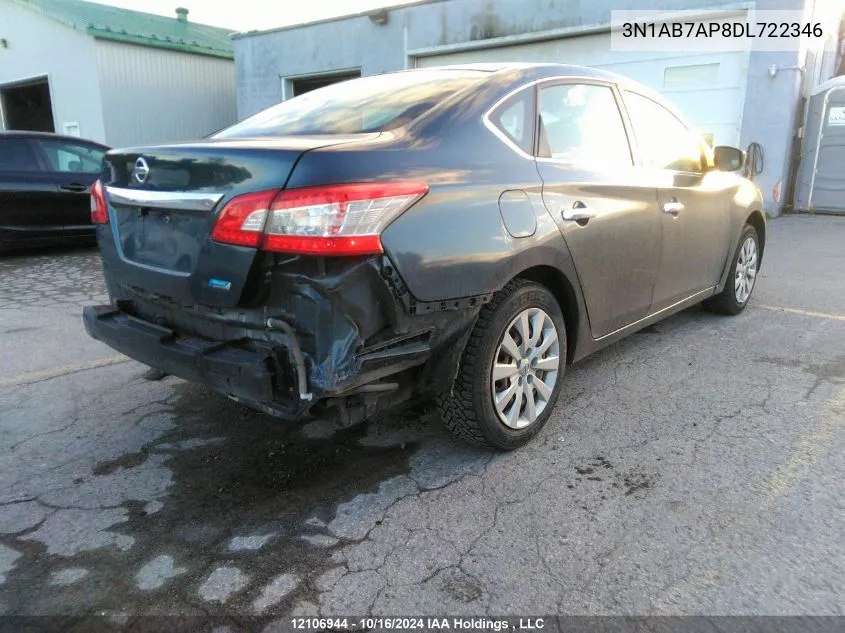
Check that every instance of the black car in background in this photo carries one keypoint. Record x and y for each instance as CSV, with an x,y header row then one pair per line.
x,y
45,181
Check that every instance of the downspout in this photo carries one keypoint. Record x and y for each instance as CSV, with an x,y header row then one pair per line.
x,y
787,188
405,58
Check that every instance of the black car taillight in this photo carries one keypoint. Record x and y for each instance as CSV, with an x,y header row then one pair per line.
x,y
99,210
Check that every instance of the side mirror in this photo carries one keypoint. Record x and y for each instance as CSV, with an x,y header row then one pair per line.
x,y
728,158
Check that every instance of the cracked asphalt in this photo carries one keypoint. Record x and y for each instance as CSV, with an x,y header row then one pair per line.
x,y
694,468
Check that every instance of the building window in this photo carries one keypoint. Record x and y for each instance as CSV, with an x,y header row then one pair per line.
x,y
691,75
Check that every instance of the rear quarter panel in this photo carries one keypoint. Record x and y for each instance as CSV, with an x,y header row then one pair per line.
x,y
452,243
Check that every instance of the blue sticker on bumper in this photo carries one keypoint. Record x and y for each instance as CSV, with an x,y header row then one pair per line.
x,y
219,284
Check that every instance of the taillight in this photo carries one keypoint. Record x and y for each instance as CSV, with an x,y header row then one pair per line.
x,y
331,220
242,220
99,211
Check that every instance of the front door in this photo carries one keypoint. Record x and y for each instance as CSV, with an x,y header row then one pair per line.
x,y
694,202
605,211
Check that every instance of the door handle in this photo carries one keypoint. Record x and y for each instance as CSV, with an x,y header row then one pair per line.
x,y
74,187
578,213
673,207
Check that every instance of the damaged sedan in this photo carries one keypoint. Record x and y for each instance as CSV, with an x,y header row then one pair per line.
x,y
460,232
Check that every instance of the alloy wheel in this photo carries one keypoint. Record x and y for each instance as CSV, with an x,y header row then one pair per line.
x,y
746,270
525,368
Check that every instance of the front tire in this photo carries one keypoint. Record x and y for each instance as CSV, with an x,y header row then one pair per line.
x,y
511,371
741,277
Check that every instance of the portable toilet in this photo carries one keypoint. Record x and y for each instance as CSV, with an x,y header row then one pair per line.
x,y
821,171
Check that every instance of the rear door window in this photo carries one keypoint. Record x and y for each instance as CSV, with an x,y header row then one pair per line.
x,y
68,157
581,125
17,155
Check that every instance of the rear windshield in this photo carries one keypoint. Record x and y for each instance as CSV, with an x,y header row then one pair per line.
x,y
370,104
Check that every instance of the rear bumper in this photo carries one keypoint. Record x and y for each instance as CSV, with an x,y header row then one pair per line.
x,y
251,373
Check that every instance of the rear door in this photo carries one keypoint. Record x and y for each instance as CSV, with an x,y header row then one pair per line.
x,y
605,211
74,166
27,193
694,201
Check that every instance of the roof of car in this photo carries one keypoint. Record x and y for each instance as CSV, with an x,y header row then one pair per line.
x,y
136,27
483,66
46,136
538,70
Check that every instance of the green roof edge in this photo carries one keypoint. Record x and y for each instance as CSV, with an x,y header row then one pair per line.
x,y
156,43
104,34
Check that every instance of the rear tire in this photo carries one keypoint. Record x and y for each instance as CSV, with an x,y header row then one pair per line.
x,y
741,276
508,412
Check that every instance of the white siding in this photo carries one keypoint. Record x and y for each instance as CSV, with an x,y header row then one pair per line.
x,y
39,46
153,95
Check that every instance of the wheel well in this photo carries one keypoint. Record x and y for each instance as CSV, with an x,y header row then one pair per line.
x,y
562,289
756,220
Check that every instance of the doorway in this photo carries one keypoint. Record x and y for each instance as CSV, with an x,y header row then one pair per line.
x,y
27,106
307,84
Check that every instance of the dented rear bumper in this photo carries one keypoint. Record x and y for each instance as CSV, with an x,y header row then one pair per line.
x,y
245,370
301,337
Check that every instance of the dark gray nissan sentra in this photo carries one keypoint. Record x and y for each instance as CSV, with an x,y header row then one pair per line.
x,y
461,232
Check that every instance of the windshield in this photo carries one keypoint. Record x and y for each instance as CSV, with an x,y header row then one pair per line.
x,y
370,104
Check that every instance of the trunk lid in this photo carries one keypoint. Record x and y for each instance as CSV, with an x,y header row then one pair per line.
x,y
163,203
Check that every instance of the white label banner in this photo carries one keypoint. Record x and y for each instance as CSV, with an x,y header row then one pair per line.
x,y
717,31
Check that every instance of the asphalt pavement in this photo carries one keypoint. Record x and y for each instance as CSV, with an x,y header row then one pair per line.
x,y
695,468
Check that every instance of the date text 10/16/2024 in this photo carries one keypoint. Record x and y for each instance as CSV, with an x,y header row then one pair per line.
x,y
417,624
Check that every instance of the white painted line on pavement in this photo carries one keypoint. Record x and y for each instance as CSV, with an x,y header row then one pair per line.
x,y
809,313
55,372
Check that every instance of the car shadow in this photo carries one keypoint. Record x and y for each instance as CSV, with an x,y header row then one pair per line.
x,y
245,491
12,252
255,497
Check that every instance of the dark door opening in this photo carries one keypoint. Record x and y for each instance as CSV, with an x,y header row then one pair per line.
x,y
307,84
28,107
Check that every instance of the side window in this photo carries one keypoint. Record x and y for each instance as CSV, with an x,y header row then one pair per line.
x,y
514,119
580,124
72,157
16,154
663,141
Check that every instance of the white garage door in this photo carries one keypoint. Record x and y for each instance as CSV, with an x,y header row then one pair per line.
x,y
709,88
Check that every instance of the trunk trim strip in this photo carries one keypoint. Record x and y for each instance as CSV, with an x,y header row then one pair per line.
x,y
176,200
